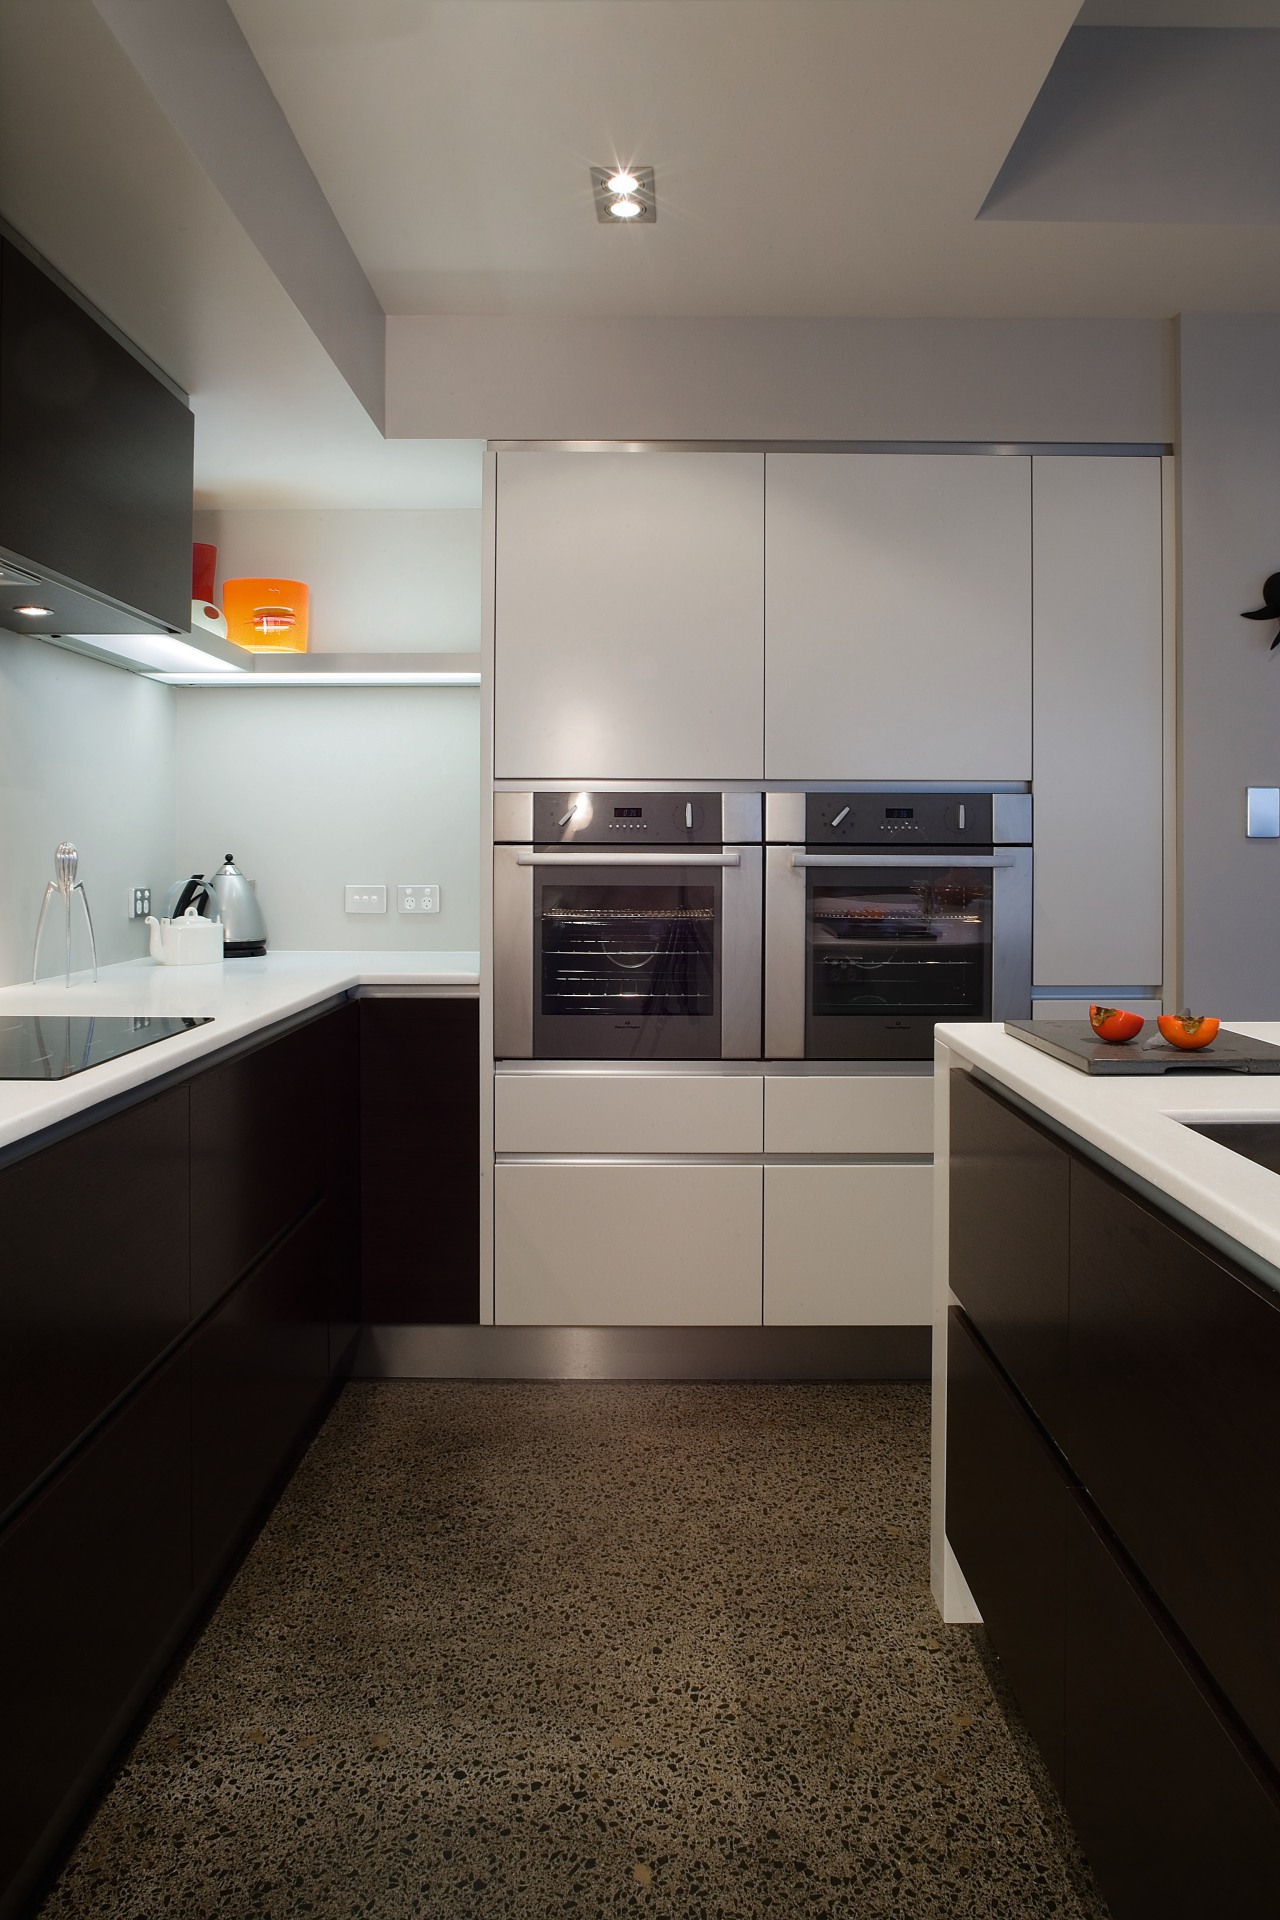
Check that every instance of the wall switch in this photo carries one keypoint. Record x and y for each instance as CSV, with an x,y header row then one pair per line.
x,y
417,899
139,902
366,899
1262,813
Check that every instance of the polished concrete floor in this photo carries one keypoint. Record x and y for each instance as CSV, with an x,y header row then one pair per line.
x,y
568,1650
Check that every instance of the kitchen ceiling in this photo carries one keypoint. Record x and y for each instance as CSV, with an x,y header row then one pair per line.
x,y
813,157
824,158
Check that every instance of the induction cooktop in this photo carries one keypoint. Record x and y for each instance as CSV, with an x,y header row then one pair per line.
x,y
51,1046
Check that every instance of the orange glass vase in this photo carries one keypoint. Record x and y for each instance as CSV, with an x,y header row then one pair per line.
x,y
266,616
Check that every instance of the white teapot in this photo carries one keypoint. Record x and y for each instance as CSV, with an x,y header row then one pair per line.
x,y
190,941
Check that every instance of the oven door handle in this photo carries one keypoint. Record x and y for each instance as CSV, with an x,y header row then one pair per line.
x,y
604,858
902,860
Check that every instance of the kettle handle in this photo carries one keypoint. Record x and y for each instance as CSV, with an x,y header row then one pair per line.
x,y
193,894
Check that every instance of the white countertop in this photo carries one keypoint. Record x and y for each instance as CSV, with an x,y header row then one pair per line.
x,y
1135,1122
243,996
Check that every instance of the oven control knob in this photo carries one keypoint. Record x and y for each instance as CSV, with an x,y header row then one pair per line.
x,y
689,816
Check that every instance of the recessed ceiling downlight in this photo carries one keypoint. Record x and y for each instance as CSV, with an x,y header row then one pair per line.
x,y
624,194
34,613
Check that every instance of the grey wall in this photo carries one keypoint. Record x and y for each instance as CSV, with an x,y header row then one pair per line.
x,y
318,787
87,753
524,378
1229,445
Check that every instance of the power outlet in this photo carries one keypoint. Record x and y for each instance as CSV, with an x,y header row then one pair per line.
x,y
139,902
366,899
417,899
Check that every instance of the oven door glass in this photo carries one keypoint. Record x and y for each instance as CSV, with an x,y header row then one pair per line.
x,y
627,967
889,951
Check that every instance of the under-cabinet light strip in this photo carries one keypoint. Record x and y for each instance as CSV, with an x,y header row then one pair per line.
x,y
471,679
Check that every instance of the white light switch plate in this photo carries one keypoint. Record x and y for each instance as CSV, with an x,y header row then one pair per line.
x,y
417,899
366,899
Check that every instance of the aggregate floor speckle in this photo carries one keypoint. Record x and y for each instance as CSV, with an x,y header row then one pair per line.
x,y
577,1650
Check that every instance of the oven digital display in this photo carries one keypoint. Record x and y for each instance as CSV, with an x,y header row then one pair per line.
x,y
899,813
628,813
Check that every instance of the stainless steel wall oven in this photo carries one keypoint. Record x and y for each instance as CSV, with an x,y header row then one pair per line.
x,y
627,926
887,912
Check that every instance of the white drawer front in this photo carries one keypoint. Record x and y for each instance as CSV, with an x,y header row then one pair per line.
x,y
848,1246
853,1113
627,1246
627,1113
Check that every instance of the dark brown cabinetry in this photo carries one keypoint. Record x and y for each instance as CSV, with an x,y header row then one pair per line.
x,y
145,1422
1115,1528
1177,1820
95,1586
259,1377
1174,1430
420,1114
95,1234
1006,1520
1009,1202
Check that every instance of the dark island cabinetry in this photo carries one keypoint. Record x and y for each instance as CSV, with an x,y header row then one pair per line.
x,y
1112,1457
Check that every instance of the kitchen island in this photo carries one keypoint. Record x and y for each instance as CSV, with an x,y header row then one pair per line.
x,y
193,1234
1106,1449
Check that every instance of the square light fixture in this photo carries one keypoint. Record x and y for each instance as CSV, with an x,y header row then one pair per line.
x,y
624,196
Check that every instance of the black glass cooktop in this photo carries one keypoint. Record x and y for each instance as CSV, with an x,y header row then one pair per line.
x,y
50,1046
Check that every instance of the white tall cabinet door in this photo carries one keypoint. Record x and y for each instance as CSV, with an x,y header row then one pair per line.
x,y
617,1245
1099,725
848,1246
897,616
629,616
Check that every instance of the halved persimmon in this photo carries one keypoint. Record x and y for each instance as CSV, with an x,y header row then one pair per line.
x,y
1188,1030
1114,1024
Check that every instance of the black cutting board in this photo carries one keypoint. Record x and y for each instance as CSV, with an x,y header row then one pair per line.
x,y
1075,1042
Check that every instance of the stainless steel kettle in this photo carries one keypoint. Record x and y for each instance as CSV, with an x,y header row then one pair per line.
x,y
236,904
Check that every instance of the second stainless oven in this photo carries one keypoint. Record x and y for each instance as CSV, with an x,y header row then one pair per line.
x,y
887,912
627,926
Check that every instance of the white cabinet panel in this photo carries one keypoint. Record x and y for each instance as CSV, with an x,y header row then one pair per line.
x,y
854,1113
629,610
1098,723
848,1246
898,617
582,1245
628,1113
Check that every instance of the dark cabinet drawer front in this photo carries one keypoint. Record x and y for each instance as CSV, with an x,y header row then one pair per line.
x,y
94,1577
95,1232
260,1370
343,1193
420,1096
1006,1520
1173,1817
1175,1361
264,1134
1009,1212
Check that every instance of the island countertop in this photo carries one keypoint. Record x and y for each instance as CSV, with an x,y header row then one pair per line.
x,y
1139,1125
242,996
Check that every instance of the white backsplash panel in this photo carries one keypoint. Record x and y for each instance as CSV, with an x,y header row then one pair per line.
x,y
317,789
87,754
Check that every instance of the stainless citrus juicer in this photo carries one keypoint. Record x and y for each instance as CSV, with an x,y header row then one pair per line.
x,y
65,862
